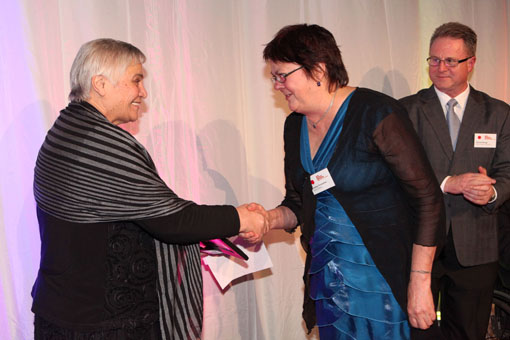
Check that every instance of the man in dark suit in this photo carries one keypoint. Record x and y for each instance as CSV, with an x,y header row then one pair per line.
x,y
466,135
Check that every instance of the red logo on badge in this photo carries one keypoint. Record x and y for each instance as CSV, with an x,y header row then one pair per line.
x,y
312,182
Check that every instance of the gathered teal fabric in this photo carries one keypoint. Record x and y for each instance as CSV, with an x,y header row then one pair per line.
x,y
352,298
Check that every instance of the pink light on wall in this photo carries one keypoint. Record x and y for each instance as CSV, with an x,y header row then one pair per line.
x,y
22,130
171,113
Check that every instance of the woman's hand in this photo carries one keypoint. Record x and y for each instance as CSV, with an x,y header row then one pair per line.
x,y
278,218
420,304
254,222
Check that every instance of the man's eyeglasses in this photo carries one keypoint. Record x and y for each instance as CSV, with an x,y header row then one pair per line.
x,y
282,77
450,62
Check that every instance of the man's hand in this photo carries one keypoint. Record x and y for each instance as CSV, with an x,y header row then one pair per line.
x,y
475,187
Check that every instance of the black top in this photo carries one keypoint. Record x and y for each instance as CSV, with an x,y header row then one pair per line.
x,y
97,276
384,182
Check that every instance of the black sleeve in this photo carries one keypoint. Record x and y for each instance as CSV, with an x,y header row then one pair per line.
x,y
292,198
402,150
194,223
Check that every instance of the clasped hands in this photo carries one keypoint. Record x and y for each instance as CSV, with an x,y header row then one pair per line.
x,y
475,187
254,222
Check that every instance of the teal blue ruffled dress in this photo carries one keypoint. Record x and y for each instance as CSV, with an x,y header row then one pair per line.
x,y
352,298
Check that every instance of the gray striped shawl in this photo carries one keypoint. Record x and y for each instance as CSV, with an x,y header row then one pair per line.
x,y
89,170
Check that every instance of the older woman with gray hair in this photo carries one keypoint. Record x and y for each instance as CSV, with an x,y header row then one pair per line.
x,y
119,256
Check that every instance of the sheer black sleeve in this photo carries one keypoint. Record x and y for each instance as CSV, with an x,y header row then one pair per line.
x,y
293,198
402,150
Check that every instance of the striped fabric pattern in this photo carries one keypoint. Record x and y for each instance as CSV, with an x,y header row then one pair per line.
x,y
88,171
180,299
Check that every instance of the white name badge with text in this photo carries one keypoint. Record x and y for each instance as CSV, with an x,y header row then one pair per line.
x,y
485,140
321,181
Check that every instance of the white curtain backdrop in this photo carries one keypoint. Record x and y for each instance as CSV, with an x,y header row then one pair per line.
x,y
212,121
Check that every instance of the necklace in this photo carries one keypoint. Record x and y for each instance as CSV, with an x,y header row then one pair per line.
x,y
314,125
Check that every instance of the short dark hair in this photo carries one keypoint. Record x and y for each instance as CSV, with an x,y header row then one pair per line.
x,y
309,45
458,31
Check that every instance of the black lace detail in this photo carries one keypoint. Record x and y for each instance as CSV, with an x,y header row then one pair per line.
x,y
130,297
44,330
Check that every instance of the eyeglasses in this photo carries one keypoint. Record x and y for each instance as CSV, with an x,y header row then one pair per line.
x,y
449,62
282,77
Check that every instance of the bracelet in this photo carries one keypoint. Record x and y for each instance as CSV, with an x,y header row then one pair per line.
x,y
420,271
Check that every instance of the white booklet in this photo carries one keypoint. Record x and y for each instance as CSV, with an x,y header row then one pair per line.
x,y
226,268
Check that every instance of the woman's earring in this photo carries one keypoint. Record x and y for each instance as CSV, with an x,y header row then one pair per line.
x,y
318,83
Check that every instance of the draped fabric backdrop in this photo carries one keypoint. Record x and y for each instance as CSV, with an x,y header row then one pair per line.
x,y
212,121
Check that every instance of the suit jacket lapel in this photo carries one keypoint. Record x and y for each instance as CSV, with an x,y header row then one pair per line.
x,y
435,115
470,120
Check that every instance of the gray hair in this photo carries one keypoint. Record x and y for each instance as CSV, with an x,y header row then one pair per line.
x,y
107,57
457,31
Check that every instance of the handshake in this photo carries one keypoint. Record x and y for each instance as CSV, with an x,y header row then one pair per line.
x,y
255,222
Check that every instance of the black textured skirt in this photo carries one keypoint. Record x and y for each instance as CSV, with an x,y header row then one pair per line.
x,y
45,330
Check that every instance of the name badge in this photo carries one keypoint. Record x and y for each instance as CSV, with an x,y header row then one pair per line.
x,y
485,140
321,181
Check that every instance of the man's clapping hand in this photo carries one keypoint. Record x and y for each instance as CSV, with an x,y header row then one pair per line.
x,y
475,187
